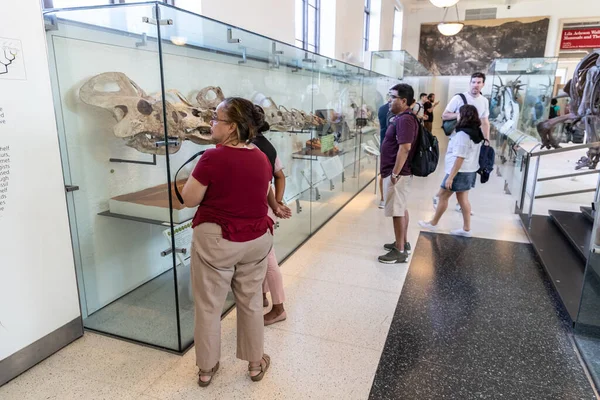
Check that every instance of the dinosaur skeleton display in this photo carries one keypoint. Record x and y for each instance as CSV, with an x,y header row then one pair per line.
x,y
506,96
584,91
140,116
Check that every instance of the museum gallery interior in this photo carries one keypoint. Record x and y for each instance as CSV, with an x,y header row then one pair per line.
x,y
108,109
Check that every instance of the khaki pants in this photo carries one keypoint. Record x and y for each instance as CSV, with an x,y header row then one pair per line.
x,y
396,196
218,264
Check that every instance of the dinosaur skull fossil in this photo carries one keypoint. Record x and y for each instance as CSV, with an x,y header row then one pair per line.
x,y
195,121
139,116
206,103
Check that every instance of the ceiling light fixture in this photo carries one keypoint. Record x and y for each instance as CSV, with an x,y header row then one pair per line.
x,y
443,3
450,28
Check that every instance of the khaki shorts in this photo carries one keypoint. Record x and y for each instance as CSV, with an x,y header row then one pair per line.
x,y
396,196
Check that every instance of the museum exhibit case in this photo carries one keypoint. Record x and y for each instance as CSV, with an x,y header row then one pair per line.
x,y
135,86
401,65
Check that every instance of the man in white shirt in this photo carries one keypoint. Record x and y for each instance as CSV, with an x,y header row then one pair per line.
x,y
475,98
419,107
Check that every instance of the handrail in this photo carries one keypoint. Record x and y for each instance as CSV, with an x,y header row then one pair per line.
x,y
549,178
565,149
545,196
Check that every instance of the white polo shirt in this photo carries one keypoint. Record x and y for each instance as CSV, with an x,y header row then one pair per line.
x,y
481,103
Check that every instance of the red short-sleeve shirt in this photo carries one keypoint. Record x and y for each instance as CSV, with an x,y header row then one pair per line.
x,y
237,181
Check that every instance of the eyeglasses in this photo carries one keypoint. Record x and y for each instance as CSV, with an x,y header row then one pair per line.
x,y
215,118
391,97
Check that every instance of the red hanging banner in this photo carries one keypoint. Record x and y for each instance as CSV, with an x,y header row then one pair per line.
x,y
583,38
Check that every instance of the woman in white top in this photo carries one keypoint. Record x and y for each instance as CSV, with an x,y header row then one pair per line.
x,y
461,166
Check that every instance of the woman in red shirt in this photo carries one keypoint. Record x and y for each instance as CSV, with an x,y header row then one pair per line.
x,y
232,237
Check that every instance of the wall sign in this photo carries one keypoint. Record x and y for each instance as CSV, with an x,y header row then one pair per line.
x,y
585,38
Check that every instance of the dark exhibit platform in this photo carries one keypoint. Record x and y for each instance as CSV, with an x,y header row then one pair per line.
x,y
476,319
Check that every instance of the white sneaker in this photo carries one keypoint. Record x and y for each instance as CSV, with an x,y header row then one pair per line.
x,y
461,232
382,204
427,225
459,209
436,200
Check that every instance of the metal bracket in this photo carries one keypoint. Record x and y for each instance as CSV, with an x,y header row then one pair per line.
x,y
71,188
317,194
344,176
274,49
331,185
329,63
170,250
230,38
168,142
50,23
144,41
298,206
308,60
120,160
244,60
297,67
277,63
153,21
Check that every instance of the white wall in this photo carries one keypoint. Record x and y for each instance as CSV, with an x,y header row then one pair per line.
x,y
271,18
415,15
38,290
349,29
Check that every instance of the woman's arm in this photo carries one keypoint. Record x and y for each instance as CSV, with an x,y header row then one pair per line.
x,y
193,192
279,209
279,185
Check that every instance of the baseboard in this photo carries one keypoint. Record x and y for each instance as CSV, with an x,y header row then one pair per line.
x,y
22,360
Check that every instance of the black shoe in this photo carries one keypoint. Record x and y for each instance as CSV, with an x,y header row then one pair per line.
x,y
395,256
390,246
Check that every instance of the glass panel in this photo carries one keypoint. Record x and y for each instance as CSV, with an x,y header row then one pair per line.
x,y
108,130
77,3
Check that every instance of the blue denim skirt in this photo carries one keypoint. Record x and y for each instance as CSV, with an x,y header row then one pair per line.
x,y
462,182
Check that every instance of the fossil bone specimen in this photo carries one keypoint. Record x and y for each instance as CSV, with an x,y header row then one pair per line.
x,y
139,116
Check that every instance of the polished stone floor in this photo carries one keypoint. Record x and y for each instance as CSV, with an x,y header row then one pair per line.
x,y
340,303
477,319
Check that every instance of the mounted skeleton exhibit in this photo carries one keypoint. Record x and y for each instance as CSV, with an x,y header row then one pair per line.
x,y
584,92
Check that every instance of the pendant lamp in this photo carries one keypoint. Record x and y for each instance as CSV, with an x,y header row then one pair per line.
x,y
443,3
450,28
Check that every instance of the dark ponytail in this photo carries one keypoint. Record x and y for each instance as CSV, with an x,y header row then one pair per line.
x,y
248,118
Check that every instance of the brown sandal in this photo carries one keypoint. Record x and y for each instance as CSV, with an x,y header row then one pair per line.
x,y
260,368
210,372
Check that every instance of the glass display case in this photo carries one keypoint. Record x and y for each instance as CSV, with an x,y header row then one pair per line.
x,y
521,90
401,65
119,73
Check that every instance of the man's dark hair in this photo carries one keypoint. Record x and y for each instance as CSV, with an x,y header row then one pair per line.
x,y
430,95
478,75
554,102
405,91
422,94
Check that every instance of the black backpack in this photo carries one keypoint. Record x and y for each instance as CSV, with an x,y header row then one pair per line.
x,y
427,154
487,155
449,125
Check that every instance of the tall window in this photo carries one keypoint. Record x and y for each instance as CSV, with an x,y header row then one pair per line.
x,y
397,38
307,24
366,24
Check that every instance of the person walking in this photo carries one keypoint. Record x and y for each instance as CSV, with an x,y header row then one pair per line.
x,y
461,166
232,237
474,98
396,155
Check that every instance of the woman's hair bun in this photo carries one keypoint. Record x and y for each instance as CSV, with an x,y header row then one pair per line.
x,y
258,115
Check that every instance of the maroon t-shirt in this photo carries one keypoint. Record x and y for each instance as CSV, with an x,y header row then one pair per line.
x,y
237,180
403,129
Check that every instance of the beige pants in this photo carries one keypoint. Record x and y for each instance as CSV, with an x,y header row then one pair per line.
x,y
396,196
218,264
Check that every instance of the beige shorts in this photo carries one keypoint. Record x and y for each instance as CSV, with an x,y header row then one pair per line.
x,y
396,196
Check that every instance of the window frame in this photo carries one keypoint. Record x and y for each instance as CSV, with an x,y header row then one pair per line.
x,y
366,24
48,4
304,41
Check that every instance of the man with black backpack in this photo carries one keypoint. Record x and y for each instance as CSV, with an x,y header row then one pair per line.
x,y
419,107
473,97
397,152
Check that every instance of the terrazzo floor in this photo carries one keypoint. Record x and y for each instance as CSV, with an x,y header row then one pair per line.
x,y
340,305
